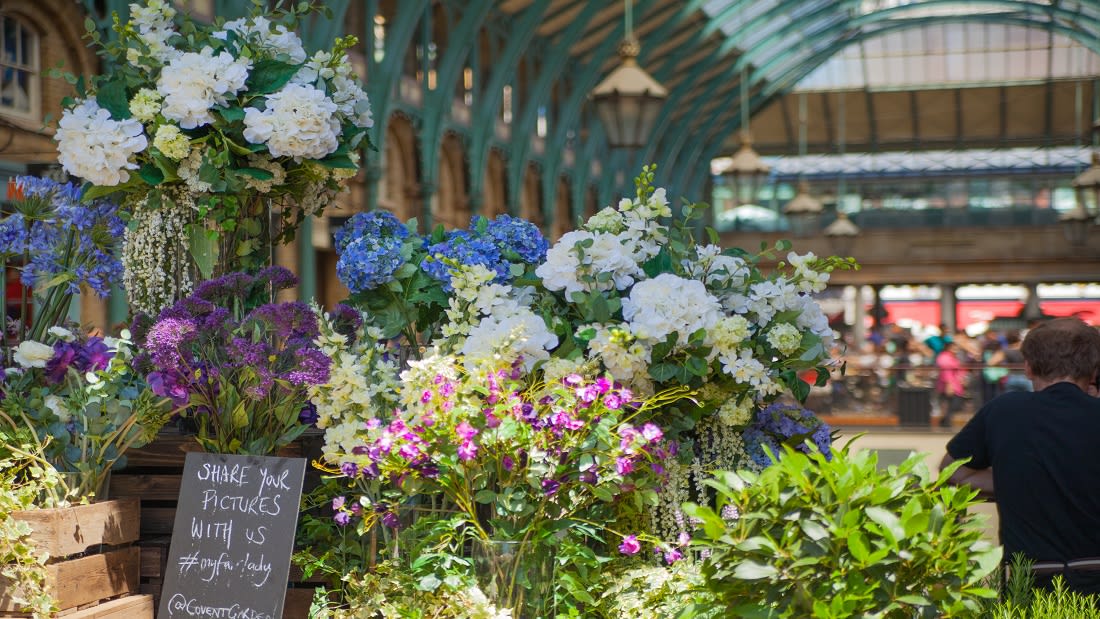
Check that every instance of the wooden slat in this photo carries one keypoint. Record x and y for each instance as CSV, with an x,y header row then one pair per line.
x,y
70,530
129,607
146,487
157,521
90,579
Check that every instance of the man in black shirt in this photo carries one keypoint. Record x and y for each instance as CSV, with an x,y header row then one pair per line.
x,y
1044,451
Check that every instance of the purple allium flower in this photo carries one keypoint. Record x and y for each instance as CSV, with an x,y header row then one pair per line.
x,y
226,287
630,545
165,339
312,367
290,321
279,278
550,487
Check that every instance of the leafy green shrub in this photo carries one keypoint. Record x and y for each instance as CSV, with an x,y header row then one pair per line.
x,y
1020,601
840,538
655,592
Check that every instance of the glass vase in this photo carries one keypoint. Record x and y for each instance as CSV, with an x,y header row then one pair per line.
x,y
518,576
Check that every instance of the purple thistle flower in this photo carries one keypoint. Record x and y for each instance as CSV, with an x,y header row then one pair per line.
x,y
630,545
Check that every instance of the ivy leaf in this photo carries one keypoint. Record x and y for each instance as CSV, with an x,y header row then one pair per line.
x,y
269,76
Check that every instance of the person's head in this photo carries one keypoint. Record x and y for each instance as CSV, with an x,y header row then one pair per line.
x,y
1062,348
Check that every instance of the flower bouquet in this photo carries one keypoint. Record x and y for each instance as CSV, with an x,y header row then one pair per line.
x,y
211,133
404,281
84,404
237,366
510,464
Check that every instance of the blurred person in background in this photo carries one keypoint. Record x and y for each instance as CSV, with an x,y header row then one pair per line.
x,y
1035,452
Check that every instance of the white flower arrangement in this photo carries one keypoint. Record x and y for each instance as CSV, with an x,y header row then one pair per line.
x,y
235,114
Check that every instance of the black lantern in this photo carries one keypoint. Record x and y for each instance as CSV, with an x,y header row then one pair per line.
x,y
628,100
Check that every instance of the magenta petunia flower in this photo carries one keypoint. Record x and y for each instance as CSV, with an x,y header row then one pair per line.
x,y
630,545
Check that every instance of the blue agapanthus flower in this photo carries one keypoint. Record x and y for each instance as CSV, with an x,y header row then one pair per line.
x,y
376,224
369,262
463,247
785,424
517,236
67,237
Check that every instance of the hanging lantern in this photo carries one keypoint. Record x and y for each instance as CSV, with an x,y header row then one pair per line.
x,y
628,100
803,211
842,234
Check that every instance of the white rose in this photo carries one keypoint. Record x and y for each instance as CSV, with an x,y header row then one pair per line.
x,y
32,354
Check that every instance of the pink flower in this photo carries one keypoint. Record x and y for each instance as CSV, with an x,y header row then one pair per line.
x,y
465,431
652,433
467,450
624,466
603,385
684,539
673,555
630,545
426,396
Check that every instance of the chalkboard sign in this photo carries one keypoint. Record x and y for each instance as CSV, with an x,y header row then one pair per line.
x,y
233,536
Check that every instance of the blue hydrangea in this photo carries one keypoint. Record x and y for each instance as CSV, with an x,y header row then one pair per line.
x,y
369,262
785,424
519,237
465,248
377,224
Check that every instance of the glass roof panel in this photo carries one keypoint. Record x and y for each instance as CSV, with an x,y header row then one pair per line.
x,y
1072,158
975,54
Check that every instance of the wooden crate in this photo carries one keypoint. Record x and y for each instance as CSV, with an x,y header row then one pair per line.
x,y
93,561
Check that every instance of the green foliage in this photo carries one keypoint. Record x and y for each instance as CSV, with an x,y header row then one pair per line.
x,y
656,592
25,480
840,538
1020,601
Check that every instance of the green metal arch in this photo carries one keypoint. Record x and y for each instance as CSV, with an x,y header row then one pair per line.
x,y
485,115
710,146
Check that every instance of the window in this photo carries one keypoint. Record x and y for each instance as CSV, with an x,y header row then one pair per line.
x,y
18,68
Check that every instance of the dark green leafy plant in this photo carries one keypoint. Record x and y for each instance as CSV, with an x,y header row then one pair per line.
x,y
841,538
1020,601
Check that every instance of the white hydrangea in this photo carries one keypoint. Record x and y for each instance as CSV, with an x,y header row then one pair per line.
x,y
171,142
153,22
809,279
423,372
608,254
351,101
277,40
521,335
95,147
299,122
813,319
736,412
616,347
145,104
607,220
784,337
767,298
193,82
670,304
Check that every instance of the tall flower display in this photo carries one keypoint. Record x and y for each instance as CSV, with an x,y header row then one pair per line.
x,y
235,365
220,138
